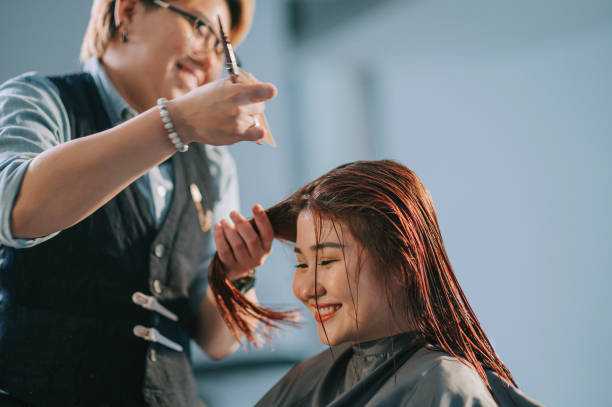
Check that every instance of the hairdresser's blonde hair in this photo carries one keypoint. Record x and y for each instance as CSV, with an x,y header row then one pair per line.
x,y
100,30
102,25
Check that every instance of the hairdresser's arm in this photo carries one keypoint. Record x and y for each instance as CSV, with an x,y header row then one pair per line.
x,y
67,182
241,249
211,331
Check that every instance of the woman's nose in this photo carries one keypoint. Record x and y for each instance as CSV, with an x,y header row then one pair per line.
x,y
305,287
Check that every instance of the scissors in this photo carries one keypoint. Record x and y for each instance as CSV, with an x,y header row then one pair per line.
x,y
237,75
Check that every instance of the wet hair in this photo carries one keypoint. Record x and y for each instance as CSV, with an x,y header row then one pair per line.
x,y
102,26
388,210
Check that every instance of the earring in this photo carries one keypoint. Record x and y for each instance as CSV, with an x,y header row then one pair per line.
x,y
124,35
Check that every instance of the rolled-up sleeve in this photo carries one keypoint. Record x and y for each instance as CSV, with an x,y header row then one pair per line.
x,y
32,120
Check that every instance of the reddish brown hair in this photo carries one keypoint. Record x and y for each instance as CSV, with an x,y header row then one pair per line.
x,y
389,211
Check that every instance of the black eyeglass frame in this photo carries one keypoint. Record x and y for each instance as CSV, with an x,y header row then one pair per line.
x,y
197,22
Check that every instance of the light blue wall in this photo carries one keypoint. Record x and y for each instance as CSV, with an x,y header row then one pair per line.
x,y
504,112
43,36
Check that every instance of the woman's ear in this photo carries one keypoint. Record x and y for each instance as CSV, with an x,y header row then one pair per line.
x,y
124,11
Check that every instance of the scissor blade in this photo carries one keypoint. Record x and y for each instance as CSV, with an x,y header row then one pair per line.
x,y
230,57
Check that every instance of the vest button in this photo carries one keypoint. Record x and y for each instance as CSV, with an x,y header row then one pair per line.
x,y
159,250
157,289
153,355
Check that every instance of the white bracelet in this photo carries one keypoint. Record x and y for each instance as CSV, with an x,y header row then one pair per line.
x,y
172,135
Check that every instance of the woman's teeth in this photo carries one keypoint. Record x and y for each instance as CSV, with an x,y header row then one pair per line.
x,y
329,309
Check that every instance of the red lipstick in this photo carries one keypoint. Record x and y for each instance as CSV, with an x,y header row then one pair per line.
x,y
326,312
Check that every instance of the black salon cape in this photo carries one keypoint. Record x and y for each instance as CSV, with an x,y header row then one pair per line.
x,y
393,371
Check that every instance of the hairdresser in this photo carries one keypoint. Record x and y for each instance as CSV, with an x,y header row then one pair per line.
x,y
110,181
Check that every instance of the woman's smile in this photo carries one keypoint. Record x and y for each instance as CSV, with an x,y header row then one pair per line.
x,y
335,279
325,312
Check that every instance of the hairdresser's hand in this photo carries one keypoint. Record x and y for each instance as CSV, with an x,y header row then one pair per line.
x,y
221,112
239,246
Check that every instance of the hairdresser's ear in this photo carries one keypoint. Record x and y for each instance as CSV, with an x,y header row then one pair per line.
x,y
124,12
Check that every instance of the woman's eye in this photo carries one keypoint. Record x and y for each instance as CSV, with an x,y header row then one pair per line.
x,y
301,266
326,262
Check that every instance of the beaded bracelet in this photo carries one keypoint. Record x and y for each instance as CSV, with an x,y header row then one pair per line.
x,y
172,135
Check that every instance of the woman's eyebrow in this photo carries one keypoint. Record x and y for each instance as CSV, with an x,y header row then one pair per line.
x,y
324,245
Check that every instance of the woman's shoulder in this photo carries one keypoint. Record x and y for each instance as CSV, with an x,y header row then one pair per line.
x,y
310,369
443,369
298,383
431,377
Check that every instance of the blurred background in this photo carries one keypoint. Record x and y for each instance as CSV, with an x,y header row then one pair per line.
x,y
502,108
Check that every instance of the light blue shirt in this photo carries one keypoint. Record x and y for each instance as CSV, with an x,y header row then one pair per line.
x,y
33,119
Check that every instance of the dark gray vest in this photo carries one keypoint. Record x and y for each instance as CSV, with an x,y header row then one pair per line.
x,y
67,316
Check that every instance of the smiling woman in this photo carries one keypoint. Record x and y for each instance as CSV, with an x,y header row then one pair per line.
x,y
335,278
373,271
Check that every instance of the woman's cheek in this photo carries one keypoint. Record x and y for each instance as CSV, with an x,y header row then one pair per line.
x,y
295,285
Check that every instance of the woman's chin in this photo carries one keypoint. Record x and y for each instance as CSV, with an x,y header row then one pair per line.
x,y
328,340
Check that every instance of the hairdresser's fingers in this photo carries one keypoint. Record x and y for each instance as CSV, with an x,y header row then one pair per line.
x,y
256,92
248,235
253,133
266,231
239,248
253,109
223,248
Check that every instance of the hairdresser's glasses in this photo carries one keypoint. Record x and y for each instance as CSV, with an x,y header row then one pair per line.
x,y
203,38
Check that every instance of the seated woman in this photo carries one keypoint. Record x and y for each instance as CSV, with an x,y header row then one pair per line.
x,y
373,271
